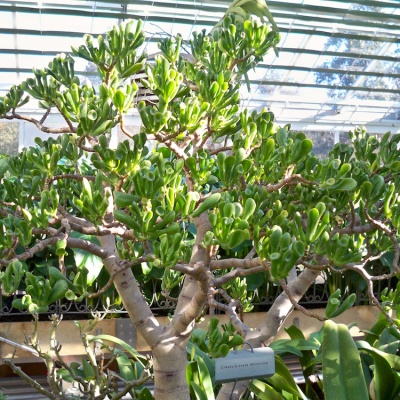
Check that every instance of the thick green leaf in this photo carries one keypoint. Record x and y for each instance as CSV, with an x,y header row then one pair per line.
x,y
253,282
286,348
125,367
134,353
93,263
374,333
88,369
65,375
200,395
383,380
287,345
264,391
388,343
392,359
144,394
208,361
205,378
307,360
341,365
3,167
283,379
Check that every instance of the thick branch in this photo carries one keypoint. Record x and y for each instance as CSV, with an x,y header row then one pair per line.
x,y
281,308
193,295
172,146
128,288
357,230
88,246
235,263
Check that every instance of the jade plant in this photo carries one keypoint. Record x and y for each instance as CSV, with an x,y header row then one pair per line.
x,y
206,196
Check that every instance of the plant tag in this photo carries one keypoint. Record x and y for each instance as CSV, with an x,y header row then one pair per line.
x,y
244,364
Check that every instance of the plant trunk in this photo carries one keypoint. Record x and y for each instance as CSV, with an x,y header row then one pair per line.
x,y
170,372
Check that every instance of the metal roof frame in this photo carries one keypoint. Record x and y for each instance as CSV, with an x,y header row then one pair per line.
x,y
321,20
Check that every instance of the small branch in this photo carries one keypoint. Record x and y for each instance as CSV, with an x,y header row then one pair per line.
x,y
237,61
29,380
251,253
360,230
370,289
33,250
320,267
122,126
224,148
75,377
204,139
289,181
70,176
88,246
82,146
295,304
19,346
45,115
66,119
172,146
240,272
74,219
211,292
6,204
353,215
230,310
129,385
39,125
71,242
392,237
187,269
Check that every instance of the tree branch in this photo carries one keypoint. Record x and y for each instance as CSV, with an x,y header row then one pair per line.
x,y
38,124
289,181
70,176
88,246
235,263
33,250
230,310
392,238
193,295
29,380
296,305
240,272
128,288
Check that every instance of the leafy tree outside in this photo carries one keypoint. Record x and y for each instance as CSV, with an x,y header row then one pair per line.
x,y
9,133
359,47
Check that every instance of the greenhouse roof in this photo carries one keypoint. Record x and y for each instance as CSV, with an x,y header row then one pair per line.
x,y
338,63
